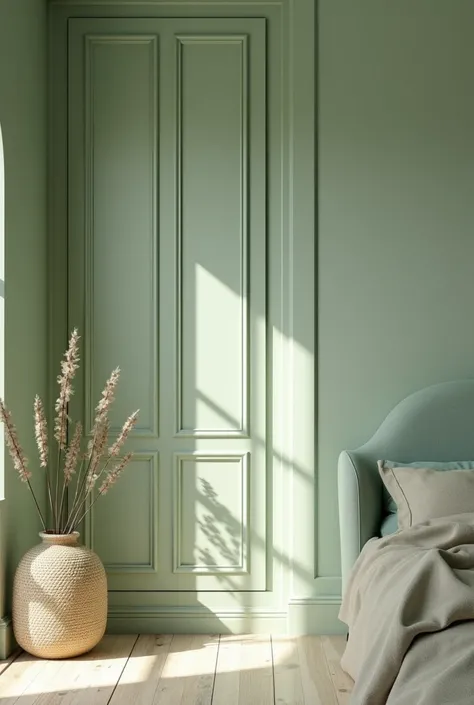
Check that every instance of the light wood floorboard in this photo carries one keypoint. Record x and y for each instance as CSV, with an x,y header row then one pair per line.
x,y
184,670
318,688
6,662
287,671
244,671
141,676
86,680
189,671
333,649
15,680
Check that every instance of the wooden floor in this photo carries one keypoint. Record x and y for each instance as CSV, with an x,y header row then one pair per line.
x,y
184,670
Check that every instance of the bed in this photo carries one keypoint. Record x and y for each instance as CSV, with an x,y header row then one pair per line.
x,y
408,595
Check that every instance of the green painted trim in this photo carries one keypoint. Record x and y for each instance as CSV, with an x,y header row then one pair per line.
x,y
174,3
304,616
318,615
321,600
291,558
182,620
133,568
302,392
328,586
7,639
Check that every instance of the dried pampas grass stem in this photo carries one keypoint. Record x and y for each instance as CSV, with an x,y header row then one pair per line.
x,y
93,463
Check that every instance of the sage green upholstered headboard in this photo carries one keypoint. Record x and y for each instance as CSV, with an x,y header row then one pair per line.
x,y
436,423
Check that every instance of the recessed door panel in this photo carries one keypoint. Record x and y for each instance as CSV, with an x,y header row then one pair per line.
x,y
167,279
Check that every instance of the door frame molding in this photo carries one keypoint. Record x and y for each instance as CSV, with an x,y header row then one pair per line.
x,y
292,528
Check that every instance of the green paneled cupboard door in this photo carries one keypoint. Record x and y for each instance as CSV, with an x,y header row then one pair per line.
x,y
167,265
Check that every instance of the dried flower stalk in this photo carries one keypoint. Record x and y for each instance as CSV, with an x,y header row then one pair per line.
x,y
126,428
107,398
20,461
94,462
68,369
72,454
111,478
97,442
97,449
90,482
114,474
41,432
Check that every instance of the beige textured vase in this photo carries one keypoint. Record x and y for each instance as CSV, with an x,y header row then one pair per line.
x,y
59,598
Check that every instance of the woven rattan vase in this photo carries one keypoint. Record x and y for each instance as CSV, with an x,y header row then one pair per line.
x,y
59,598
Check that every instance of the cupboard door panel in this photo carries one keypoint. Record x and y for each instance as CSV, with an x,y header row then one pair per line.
x,y
167,279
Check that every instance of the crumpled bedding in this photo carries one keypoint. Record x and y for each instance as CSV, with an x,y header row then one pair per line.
x,y
409,606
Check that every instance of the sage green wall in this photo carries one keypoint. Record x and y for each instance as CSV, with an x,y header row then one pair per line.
x,y
396,217
23,101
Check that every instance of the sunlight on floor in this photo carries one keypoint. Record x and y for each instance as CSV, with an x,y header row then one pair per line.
x,y
196,670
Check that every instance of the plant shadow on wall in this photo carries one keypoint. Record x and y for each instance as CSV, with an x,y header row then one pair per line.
x,y
222,530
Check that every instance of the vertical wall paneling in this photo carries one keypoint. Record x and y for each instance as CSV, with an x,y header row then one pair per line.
x,y
249,441
121,237
167,262
213,231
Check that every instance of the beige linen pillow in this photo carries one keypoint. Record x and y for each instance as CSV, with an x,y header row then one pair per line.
x,y
424,493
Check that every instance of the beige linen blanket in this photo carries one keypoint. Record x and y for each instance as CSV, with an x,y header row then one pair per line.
x,y
409,605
